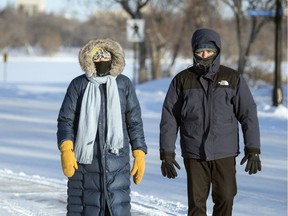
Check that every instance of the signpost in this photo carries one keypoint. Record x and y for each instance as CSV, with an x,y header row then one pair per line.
x,y
5,58
136,34
277,91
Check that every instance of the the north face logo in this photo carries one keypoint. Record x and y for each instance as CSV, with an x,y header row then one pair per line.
x,y
224,83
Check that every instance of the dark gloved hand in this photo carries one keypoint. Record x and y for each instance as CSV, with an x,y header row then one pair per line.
x,y
168,163
254,164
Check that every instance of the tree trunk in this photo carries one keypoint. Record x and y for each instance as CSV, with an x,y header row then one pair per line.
x,y
143,77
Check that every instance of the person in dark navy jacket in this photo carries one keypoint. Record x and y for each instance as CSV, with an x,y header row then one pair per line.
x,y
206,102
99,120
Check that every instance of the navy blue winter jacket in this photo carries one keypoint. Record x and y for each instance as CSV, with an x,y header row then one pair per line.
x,y
207,105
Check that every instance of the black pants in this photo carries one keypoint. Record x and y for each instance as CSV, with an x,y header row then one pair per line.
x,y
107,213
221,174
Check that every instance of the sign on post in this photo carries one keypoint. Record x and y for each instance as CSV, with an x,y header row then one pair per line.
x,y
277,15
268,13
135,30
135,33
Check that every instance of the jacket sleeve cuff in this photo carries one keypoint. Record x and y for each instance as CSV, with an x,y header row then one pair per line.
x,y
252,150
139,146
164,155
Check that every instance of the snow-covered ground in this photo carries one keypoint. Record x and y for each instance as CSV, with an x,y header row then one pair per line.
x,y
31,179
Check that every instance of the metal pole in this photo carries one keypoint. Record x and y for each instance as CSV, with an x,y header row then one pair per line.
x,y
277,91
135,64
5,73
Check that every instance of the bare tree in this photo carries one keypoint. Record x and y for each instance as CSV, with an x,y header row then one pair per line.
x,y
193,15
169,30
13,28
161,24
256,23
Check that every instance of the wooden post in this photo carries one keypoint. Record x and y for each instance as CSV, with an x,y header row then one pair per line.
x,y
5,59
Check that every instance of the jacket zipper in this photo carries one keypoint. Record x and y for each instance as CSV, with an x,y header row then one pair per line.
x,y
209,120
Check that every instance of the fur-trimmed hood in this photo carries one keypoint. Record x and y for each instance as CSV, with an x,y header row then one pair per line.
x,y
118,60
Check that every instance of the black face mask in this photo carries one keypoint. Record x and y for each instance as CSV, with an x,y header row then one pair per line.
x,y
205,61
103,67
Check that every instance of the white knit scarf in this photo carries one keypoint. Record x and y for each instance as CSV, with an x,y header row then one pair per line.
x,y
89,117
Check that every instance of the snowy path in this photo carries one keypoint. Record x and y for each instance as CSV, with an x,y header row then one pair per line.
x,y
31,195
24,195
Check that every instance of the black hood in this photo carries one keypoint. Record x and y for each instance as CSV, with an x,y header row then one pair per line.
x,y
205,35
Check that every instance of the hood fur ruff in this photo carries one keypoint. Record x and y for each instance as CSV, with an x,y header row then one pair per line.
x,y
87,64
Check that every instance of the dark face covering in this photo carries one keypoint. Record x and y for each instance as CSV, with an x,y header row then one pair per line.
x,y
204,65
205,61
103,67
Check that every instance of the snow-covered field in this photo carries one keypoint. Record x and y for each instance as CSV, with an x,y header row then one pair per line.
x,y
31,179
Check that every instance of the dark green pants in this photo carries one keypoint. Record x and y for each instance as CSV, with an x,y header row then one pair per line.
x,y
221,174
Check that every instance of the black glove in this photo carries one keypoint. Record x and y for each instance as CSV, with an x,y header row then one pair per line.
x,y
254,164
168,163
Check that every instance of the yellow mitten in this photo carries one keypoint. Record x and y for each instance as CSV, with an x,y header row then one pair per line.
x,y
138,166
68,159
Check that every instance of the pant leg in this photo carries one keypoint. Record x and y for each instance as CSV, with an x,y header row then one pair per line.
x,y
107,212
224,186
198,185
